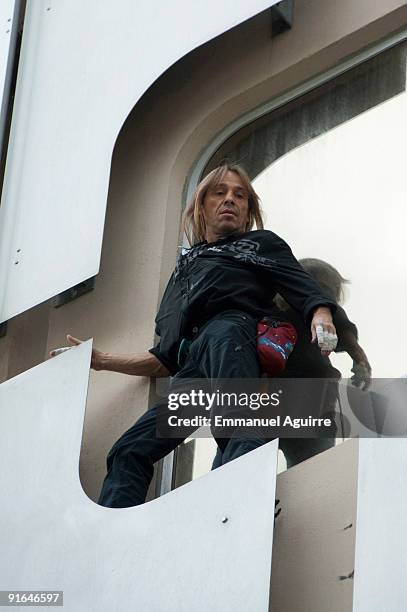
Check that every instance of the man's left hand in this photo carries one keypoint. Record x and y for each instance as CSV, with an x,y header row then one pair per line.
x,y
323,330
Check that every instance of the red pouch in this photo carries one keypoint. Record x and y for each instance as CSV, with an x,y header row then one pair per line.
x,y
275,343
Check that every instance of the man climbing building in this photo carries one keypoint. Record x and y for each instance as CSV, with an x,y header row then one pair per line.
x,y
220,288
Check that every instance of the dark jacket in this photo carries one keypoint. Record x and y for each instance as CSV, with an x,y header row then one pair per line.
x,y
242,272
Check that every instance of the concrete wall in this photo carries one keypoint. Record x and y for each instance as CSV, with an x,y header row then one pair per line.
x,y
314,535
339,542
160,141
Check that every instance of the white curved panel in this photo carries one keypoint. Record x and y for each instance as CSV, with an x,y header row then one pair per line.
x,y
173,554
83,66
381,541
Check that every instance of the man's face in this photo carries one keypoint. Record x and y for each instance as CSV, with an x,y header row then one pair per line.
x,y
226,207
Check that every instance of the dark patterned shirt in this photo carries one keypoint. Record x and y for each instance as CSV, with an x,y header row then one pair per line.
x,y
240,272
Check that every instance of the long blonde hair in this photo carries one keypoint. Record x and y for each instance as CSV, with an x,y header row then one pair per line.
x,y
193,222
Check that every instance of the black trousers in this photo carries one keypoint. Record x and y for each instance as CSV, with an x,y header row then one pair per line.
x,y
212,355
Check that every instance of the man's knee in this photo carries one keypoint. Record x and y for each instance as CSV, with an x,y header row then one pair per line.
x,y
237,326
126,456
225,334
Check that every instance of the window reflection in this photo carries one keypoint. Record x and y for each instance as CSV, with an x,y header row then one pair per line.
x,y
347,206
